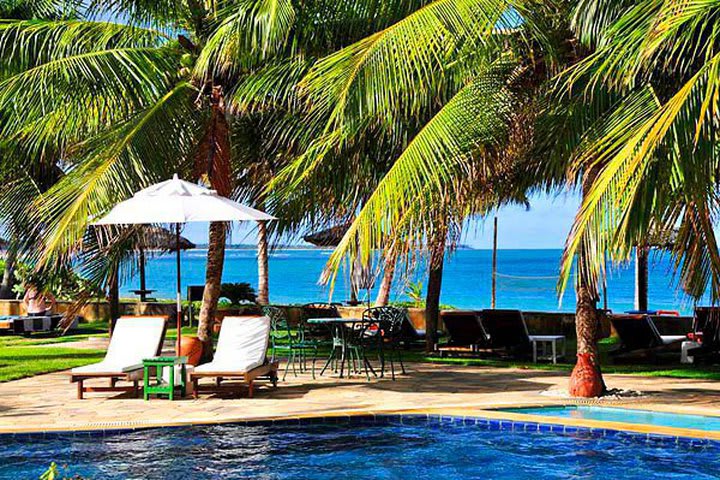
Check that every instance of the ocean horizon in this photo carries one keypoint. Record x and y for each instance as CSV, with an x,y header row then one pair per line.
x,y
527,279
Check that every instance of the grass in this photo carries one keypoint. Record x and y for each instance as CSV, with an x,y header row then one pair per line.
x,y
22,357
699,372
26,361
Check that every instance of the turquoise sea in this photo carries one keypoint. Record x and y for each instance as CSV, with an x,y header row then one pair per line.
x,y
526,280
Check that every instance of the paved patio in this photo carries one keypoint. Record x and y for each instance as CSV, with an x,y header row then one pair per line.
x,y
48,402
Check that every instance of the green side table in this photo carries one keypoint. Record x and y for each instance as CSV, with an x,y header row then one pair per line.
x,y
158,385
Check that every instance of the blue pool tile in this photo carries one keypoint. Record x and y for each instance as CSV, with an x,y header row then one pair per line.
x,y
545,428
414,419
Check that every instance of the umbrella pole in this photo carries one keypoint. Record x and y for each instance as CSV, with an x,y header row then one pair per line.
x,y
179,306
141,266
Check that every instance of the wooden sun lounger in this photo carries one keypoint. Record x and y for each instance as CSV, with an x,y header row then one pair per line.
x,y
113,378
246,379
241,354
131,369
467,335
639,337
507,332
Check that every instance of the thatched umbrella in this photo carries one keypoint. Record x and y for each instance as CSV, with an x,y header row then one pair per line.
x,y
156,238
330,237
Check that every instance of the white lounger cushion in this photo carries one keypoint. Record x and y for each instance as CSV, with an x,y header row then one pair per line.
x,y
134,339
242,345
668,339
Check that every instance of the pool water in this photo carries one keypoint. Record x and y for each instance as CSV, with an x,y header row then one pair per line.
x,y
625,415
363,451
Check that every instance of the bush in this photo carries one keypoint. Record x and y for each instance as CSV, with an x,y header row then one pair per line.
x,y
63,283
238,293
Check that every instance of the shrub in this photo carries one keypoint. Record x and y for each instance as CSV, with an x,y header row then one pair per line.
x,y
238,293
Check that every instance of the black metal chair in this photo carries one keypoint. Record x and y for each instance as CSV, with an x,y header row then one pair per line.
x,y
318,333
294,345
388,334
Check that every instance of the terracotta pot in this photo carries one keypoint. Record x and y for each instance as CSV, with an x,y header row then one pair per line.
x,y
586,380
192,348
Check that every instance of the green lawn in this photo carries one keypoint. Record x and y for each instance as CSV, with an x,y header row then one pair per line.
x,y
702,372
20,362
24,357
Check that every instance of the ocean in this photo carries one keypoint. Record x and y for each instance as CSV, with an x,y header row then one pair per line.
x,y
526,279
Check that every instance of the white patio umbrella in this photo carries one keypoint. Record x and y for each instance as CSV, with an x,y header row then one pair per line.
x,y
176,201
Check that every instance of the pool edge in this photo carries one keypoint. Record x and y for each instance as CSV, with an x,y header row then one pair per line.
x,y
503,419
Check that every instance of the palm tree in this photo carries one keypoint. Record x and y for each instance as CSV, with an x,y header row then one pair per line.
x,y
654,65
125,104
449,84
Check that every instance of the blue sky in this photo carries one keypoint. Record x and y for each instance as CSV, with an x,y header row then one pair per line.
x,y
545,225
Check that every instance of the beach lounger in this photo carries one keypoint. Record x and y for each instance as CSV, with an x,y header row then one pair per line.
x,y
467,335
706,331
639,336
507,331
241,354
133,340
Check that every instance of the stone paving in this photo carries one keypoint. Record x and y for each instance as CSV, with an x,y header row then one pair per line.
x,y
48,402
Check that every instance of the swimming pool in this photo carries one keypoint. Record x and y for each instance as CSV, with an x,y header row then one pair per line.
x,y
625,415
385,449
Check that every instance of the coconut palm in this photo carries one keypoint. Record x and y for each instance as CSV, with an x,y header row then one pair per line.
x,y
454,83
653,150
160,90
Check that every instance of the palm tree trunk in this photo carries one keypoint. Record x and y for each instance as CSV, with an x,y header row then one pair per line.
x,y
213,160
114,297
432,299
8,274
586,379
383,297
213,283
263,293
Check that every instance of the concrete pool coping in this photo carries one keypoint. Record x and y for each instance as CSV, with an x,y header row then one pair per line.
x,y
456,412
506,420
429,390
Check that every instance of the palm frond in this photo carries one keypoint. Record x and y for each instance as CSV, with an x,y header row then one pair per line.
x,y
71,98
149,147
676,141
253,32
474,120
402,68
28,44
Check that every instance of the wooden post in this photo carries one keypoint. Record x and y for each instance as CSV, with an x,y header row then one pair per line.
x,y
141,268
641,278
493,298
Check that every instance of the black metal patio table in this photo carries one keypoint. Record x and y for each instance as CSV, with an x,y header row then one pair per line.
x,y
341,329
